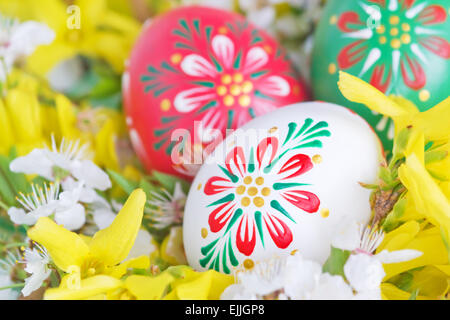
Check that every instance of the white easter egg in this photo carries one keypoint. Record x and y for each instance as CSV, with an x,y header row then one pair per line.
x,y
281,183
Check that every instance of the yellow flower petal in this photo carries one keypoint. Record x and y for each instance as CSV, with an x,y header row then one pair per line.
x,y
111,245
356,90
391,292
90,287
200,286
149,288
66,248
142,262
434,122
429,242
428,197
431,282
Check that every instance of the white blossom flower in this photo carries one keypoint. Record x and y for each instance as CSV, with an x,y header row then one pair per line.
x,y
68,159
41,202
292,277
6,266
143,245
166,209
20,39
364,269
37,261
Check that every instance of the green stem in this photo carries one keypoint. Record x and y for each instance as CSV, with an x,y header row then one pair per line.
x,y
16,285
16,244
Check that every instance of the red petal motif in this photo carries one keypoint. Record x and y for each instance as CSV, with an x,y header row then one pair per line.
x,y
262,148
220,216
281,236
308,201
237,157
419,78
432,15
212,188
379,2
301,162
246,245
347,18
351,55
377,78
437,45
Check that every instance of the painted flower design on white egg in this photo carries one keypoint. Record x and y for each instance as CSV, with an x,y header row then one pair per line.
x,y
250,197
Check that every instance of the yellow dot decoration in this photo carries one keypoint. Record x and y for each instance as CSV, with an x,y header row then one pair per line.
x,y
235,90
265,191
199,186
406,38
222,90
406,27
248,180
333,19
317,158
381,29
293,252
247,87
273,129
165,105
325,213
240,190
394,32
244,101
204,233
248,264
332,68
226,79
259,181
228,101
383,40
268,49
258,201
252,191
395,44
223,30
176,58
245,201
238,78
424,95
394,20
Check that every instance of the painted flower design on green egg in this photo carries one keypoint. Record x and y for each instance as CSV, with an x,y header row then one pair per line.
x,y
400,46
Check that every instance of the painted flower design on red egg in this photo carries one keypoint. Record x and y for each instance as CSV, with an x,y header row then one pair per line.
x,y
213,68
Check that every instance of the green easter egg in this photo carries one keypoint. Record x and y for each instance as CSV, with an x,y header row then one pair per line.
x,y
400,47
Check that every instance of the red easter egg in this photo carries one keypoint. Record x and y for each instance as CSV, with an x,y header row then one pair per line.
x,y
194,73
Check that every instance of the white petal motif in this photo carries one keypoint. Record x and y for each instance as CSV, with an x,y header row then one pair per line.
x,y
275,86
255,59
223,48
191,99
197,66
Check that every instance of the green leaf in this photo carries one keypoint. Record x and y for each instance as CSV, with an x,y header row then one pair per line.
x,y
168,181
336,261
393,218
127,185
